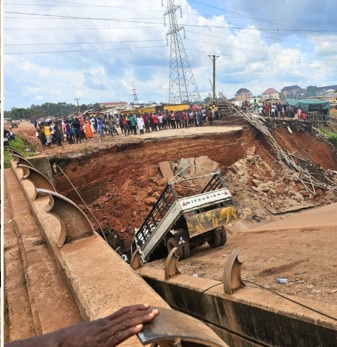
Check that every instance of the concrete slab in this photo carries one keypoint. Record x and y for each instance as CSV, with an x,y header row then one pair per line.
x,y
166,169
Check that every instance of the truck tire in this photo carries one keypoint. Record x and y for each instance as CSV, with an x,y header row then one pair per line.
x,y
223,237
217,238
187,250
171,243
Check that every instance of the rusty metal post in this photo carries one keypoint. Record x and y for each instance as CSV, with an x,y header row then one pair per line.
x,y
171,264
14,151
21,160
38,179
231,278
173,328
74,223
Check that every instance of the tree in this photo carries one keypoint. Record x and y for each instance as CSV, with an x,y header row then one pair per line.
x,y
311,91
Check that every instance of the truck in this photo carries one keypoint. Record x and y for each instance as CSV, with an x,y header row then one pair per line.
x,y
192,209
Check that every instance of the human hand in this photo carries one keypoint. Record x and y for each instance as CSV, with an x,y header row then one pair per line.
x,y
105,332
112,330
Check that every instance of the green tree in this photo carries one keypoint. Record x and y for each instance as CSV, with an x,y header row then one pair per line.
x,y
311,91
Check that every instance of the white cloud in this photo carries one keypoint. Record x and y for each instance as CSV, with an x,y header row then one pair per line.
x,y
99,54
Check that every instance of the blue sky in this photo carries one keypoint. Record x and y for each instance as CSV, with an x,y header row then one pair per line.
x,y
56,51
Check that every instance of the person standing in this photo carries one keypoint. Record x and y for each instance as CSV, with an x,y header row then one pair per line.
x,y
47,133
173,120
77,128
160,121
209,117
154,121
88,129
58,133
140,124
199,118
133,124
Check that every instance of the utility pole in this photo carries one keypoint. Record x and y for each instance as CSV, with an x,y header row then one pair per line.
x,y
78,106
213,58
135,98
182,84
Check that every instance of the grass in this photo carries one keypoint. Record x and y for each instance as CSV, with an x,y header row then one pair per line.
x,y
18,144
332,137
85,150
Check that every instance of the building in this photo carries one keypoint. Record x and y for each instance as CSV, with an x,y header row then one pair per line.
x,y
118,104
293,92
320,91
243,94
270,94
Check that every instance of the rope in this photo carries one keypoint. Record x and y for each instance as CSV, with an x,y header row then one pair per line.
x,y
294,301
83,202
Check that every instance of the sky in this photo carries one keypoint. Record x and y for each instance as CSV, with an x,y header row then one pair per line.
x,y
104,51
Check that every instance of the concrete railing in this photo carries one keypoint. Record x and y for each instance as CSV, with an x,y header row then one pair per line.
x,y
100,281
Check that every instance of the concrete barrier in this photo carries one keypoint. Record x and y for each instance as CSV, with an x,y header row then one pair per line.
x,y
100,281
250,317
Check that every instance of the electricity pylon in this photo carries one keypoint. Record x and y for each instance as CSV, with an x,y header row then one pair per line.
x,y
182,83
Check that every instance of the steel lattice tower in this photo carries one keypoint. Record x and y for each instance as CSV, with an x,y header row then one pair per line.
x,y
182,83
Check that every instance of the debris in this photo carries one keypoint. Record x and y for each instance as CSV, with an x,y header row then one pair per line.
x,y
309,286
333,291
195,275
282,280
266,286
315,291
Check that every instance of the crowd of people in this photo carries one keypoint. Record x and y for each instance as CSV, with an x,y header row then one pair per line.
x,y
80,127
77,128
276,110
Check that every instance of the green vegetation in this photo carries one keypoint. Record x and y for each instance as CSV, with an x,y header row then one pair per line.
x,y
332,137
19,145
85,150
48,109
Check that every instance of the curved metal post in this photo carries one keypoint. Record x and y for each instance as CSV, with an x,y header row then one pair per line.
x,y
74,223
14,151
21,160
38,179
173,328
232,280
171,264
136,260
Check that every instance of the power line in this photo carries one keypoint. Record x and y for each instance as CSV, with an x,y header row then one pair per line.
x,y
219,37
78,43
82,50
247,49
130,20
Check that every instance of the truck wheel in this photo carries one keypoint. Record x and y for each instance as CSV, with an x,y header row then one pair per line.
x,y
223,237
215,239
171,243
187,250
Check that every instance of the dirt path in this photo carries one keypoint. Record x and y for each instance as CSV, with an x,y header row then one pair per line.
x,y
300,248
26,130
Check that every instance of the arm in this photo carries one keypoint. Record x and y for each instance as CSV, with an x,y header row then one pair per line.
x,y
106,332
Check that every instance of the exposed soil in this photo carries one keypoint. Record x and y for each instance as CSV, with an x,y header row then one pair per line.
x,y
117,182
